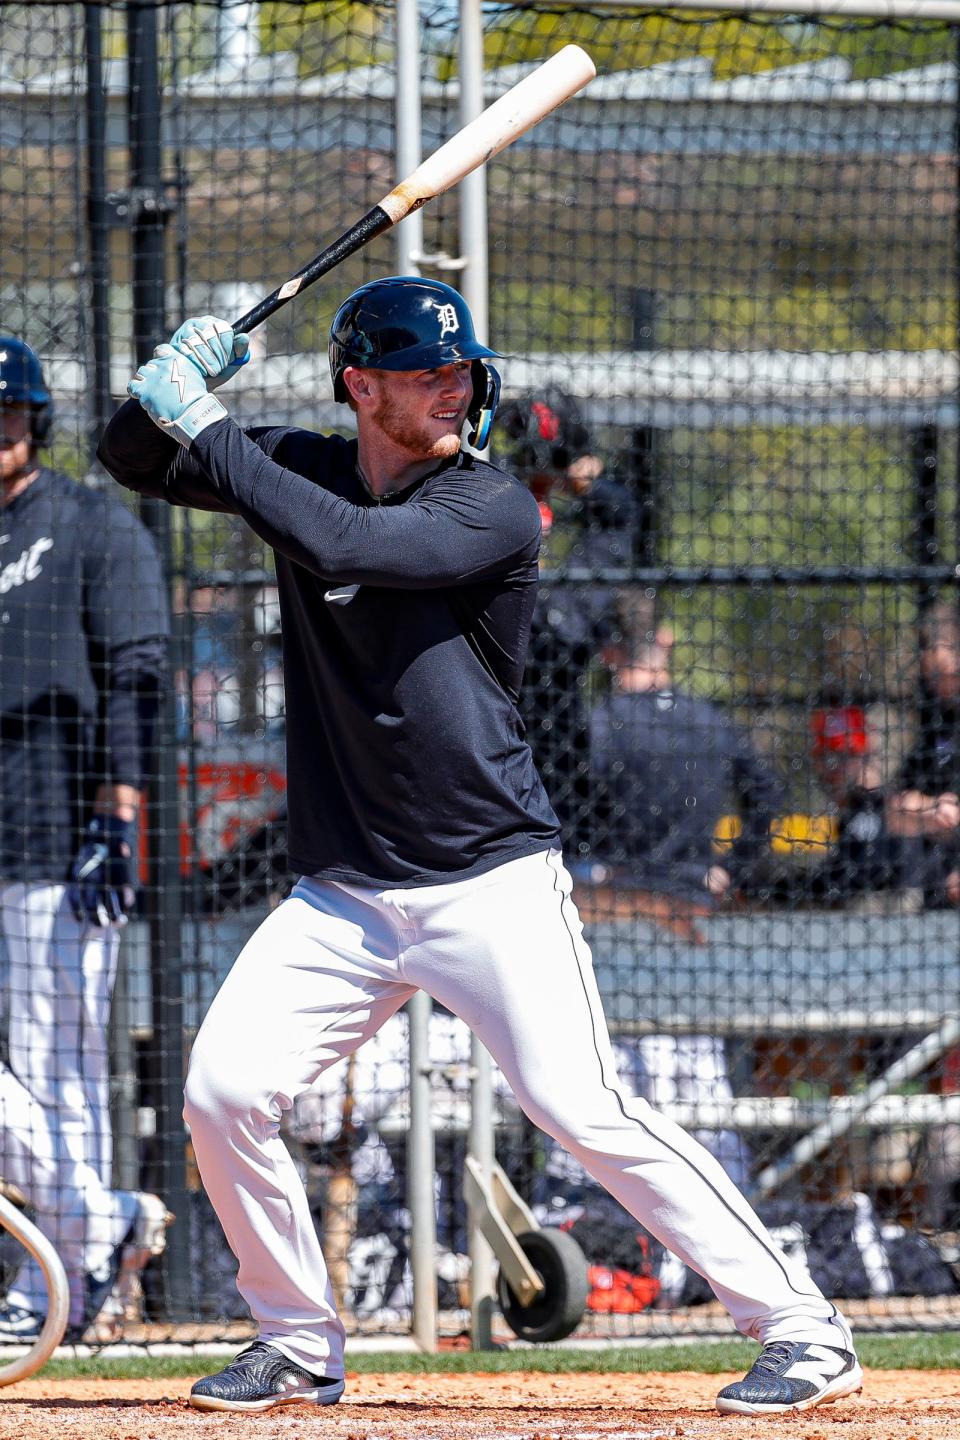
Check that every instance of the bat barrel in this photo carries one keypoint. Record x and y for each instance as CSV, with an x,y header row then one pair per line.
x,y
516,112
503,122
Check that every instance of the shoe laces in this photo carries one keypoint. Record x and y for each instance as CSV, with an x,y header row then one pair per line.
x,y
261,1358
772,1356
259,1350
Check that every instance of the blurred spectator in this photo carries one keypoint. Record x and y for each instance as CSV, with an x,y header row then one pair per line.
x,y
666,766
553,708
235,680
207,697
925,800
586,524
588,516
867,856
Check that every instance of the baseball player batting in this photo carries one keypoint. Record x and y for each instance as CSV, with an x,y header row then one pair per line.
x,y
83,627
426,847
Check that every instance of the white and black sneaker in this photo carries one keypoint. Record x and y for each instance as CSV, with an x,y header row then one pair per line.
x,y
789,1375
259,1378
19,1326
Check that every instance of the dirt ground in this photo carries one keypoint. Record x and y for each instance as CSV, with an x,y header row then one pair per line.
x,y
895,1405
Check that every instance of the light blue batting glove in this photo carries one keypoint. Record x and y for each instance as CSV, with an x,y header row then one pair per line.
x,y
174,395
213,347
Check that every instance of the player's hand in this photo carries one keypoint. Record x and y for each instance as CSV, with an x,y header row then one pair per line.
x,y
213,347
717,880
173,392
946,812
101,890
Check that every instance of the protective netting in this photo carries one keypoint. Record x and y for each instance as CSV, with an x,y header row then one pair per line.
x,y
725,284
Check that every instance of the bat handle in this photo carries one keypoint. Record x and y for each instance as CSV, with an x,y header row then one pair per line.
x,y
367,228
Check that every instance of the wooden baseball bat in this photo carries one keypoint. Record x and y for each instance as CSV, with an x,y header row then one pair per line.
x,y
501,123
340,1214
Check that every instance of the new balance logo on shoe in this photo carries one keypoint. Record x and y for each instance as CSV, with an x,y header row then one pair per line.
x,y
791,1376
819,1365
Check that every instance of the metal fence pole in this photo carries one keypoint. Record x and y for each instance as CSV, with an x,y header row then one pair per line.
x,y
421,1156
473,247
421,1167
473,189
409,233
98,241
167,1170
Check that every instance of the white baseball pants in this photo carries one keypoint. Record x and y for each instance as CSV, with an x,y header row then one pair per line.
x,y
504,952
56,1140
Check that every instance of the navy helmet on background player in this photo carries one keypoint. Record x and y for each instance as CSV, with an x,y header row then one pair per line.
x,y
22,383
407,323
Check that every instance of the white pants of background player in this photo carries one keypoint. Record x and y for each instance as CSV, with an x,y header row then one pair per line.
x,y
56,1141
505,952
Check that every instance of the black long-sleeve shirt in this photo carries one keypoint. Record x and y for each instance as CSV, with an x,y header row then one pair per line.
x,y
405,626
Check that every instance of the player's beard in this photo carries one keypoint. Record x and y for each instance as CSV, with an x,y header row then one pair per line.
x,y
413,434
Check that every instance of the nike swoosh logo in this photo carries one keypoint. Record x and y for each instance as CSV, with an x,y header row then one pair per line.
x,y
342,595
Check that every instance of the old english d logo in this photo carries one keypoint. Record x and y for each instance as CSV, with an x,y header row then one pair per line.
x,y
447,316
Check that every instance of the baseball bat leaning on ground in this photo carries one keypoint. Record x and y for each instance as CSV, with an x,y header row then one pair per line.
x,y
501,123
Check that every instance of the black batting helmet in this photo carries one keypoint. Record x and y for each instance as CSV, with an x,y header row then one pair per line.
x,y
407,323
546,429
22,383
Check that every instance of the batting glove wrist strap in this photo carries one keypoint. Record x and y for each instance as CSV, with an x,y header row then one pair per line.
x,y
187,426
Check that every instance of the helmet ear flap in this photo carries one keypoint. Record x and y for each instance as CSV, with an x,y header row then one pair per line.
x,y
483,407
40,422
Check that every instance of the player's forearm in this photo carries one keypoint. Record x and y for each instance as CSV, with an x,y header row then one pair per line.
x,y
911,813
131,710
142,459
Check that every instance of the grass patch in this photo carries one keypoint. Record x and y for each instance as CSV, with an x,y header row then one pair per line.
x,y
880,1352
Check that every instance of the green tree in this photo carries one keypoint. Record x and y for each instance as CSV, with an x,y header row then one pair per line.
x,y
327,35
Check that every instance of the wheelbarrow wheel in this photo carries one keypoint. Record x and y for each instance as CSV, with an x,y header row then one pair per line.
x,y
559,1308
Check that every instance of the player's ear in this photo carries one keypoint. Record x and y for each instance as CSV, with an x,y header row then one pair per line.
x,y
360,385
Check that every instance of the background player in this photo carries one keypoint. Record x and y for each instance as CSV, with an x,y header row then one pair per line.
x,y
82,638
407,574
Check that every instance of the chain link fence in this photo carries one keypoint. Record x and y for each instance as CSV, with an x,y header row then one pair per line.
x,y
725,281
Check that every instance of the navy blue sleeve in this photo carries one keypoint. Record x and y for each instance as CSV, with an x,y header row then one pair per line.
x,y
124,597
142,459
458,528
134,683
126,624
